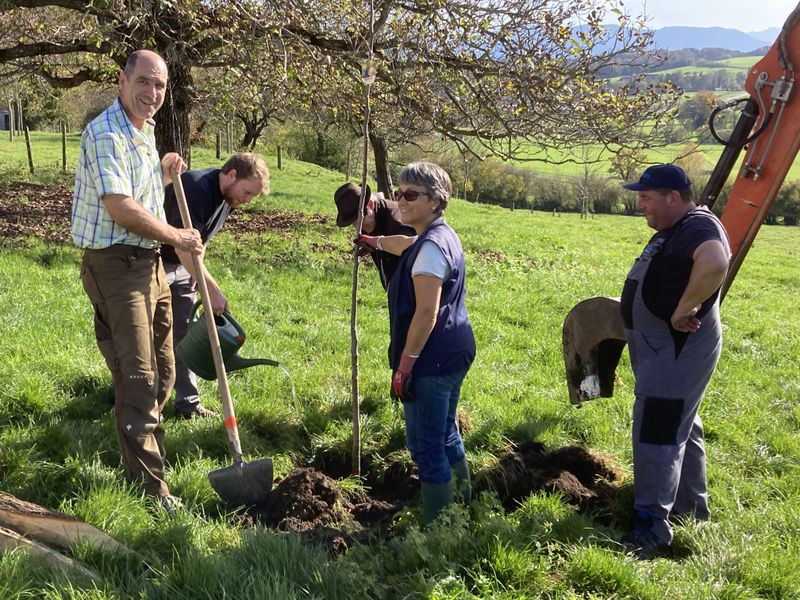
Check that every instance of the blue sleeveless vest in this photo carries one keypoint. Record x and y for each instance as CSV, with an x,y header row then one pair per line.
x,y
451,345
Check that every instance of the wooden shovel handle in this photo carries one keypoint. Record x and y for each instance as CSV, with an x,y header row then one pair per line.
x,y
211,326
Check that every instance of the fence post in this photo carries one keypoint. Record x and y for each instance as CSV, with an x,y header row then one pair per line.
x,y
280,157
63,147
28,146
20,123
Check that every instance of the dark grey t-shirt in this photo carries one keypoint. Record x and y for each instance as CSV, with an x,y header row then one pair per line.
x,y
669,271
207,207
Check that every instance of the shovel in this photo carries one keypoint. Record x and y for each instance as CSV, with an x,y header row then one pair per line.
x,y
241,483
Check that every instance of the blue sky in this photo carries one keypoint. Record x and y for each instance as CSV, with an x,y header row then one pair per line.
x,y
745,15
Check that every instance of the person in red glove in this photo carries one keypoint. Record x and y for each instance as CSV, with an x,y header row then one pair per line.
x,y
381,218
432,345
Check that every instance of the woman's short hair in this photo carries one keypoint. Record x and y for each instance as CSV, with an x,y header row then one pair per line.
x,y
430,176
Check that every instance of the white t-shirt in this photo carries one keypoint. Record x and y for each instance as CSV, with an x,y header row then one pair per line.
x,y
431,261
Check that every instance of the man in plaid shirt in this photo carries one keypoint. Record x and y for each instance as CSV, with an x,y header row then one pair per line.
x,y
118,219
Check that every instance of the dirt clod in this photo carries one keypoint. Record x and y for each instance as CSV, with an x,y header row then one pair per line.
x,y
312,504
580,476
303,500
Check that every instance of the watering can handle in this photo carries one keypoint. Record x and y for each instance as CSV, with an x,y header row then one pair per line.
x,y
193,313
211,326
226,314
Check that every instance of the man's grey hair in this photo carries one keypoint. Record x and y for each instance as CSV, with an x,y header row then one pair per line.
x,y
430,176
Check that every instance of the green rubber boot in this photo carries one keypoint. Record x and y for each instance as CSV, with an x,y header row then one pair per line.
x,y
463,482
435,496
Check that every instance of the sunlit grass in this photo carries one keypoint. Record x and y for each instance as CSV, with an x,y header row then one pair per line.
x,y
291,291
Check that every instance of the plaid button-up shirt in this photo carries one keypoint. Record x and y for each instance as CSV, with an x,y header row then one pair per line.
x,y
115,158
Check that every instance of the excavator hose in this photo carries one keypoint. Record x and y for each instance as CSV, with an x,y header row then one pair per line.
x,y
735,143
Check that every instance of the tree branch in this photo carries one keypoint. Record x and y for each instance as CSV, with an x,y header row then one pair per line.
x,y
51,48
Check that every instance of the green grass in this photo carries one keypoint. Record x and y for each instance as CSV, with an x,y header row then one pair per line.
x,y
698,69
739,62
291,291
602,159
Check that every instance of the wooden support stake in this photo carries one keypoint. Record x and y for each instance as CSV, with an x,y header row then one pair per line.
x,y
63,147
11,117
280,157
219,145
28,147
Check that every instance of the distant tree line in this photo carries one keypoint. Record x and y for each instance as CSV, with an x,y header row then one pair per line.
x,y
595,189
716,79
673,59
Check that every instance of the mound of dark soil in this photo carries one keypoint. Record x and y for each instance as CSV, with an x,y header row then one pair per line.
x,y
580,476
303,500
312,504
398,483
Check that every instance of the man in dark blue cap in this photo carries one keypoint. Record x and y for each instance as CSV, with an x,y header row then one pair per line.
x,y
670,308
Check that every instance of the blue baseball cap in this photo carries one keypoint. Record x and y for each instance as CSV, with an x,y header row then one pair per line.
x,y
670,177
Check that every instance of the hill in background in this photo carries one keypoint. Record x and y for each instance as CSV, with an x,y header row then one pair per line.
x,y
678,38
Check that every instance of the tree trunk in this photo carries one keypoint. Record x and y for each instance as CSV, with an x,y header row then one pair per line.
x,y
253,128
172,121
382,173
249,138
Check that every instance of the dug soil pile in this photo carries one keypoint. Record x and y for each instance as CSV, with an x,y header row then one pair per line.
x,y
311,503
582,478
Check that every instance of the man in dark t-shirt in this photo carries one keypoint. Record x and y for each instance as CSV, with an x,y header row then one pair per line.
x,y
670,309
211,195
381,217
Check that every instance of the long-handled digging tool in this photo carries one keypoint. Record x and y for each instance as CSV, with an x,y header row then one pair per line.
x,y
241,483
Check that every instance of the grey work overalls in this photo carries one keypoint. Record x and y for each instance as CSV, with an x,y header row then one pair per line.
x,y
669,464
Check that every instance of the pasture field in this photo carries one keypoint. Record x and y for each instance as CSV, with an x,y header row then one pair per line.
x,y
561,167
739,62
731,69
290,288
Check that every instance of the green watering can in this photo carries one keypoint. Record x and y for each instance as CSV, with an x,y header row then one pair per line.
x,y
194,350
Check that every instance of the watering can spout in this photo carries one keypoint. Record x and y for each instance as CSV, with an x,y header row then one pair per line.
x,y
236,362
194,350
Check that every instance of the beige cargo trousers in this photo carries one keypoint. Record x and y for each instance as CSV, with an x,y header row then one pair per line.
x,y
133,326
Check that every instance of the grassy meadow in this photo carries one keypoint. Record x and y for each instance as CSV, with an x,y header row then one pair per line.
x,y
290,289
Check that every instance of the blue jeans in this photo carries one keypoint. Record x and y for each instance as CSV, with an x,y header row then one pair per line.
x,y
431,432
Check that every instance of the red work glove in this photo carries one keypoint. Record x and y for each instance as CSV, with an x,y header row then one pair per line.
x,y
367,242
401,379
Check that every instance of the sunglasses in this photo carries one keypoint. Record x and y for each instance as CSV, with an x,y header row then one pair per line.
x,y
410,195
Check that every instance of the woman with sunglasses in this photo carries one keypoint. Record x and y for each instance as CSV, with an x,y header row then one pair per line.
x,y
432,346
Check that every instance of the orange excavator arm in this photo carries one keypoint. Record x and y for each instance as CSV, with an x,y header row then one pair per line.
x,y
769,128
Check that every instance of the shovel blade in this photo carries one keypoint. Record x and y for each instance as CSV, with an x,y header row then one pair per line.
x,y
243,484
